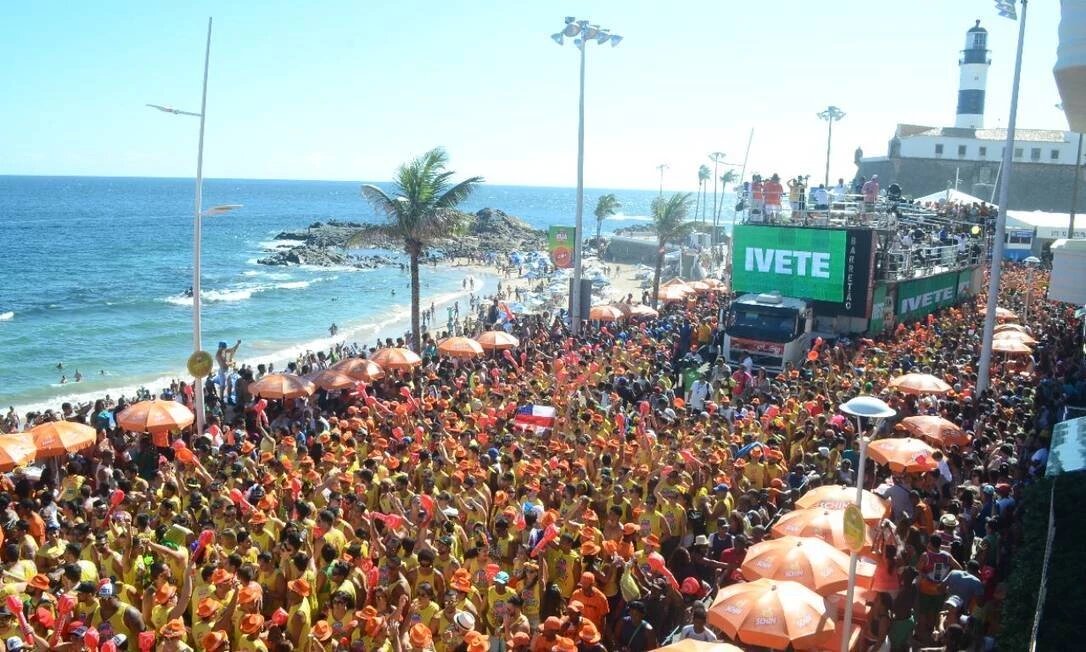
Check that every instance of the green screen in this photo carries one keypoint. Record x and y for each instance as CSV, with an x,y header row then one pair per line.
x,y
922,296
797,262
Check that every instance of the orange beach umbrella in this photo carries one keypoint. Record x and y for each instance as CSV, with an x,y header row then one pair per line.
x,y
1002,314
60,437
698,286
396,358
823,524
673,293
155,416
497,341
1015,336
1010,346
282,386
604,313
693,645
1002,328
360,369
460,347
833,497
641,311
771,614
332,380
812,562
903,454
15,450
936,430
920,384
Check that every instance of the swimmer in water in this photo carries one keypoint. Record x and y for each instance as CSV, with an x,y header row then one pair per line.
x,y
78,376
60,365
63,380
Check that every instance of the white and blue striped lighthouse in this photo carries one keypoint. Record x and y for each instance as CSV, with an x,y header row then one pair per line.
x,y
974,77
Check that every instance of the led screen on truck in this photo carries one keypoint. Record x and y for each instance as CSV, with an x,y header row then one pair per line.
x,y
797,262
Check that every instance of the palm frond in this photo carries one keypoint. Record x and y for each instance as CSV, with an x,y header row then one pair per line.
x,y
458,193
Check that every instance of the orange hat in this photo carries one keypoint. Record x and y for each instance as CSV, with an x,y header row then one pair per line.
x,y
39,582
321,630
576,606
476,642
651,541
247,447
221,576
564,644
373,626
589,634
552,623
299,586
520,639
173,629
258,517
420,635
214,641
208,607
630,528
588,579
164,593
368,613
461,584
252,624
249,594
589,548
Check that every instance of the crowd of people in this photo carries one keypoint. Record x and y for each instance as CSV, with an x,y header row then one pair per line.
x,y
419,513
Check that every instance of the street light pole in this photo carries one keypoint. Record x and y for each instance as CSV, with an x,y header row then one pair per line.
x,y
876,410
584,33
830,115
661,168
1074,190
1001,217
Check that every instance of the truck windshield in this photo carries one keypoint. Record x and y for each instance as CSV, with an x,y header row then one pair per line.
x,y
773,324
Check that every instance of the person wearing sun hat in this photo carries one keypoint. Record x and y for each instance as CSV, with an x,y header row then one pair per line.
x,y
215,641
589,638
564,644
299,612
172,633
250,628
594,603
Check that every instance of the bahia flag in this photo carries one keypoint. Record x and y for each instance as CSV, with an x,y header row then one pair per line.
x,y
535,417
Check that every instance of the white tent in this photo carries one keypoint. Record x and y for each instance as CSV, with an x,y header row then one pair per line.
x,y
955,196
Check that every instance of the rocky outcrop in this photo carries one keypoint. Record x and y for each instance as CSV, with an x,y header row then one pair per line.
x,y
325,244
322,257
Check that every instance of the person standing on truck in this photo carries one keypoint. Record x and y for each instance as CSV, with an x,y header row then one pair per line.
x,y
773,192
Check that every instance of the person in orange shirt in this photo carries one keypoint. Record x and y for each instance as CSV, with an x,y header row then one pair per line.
x,y
595,606
35,525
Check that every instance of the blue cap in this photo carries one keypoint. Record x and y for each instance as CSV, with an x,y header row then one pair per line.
x,y
501,578
493,453
722,487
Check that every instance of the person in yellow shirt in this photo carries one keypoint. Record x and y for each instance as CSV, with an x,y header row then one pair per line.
x,y
299,614
564,564
113,616
252,625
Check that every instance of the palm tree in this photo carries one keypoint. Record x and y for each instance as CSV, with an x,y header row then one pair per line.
x,y
420,211
669,222
730,176
605,207
703,182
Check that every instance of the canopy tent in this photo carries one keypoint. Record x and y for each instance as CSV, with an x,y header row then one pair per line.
x,y
951,195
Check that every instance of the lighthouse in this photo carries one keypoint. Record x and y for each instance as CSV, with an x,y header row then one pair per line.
x,y
974,76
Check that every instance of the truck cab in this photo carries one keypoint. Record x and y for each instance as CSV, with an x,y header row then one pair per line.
x,y
769,329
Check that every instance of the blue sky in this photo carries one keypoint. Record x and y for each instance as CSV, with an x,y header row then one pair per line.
x,y
347,90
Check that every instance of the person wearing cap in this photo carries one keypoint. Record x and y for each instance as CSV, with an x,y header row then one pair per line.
x,y
497,595
113,615
9,626
594,603
520,642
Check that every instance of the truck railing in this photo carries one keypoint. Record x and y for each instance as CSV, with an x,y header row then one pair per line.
x,y
921,261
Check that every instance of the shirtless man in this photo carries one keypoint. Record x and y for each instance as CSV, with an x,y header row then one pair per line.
x,y
225,357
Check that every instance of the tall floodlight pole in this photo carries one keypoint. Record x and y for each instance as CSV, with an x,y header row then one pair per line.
x,y
717,158
583,34
860,407
831,115
661,168
1006,9
197,228
1074,190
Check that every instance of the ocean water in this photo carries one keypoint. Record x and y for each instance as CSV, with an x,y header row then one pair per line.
x,y
94,271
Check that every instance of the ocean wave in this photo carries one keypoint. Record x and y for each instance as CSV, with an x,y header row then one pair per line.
x,y
7,316
242,293
279,244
